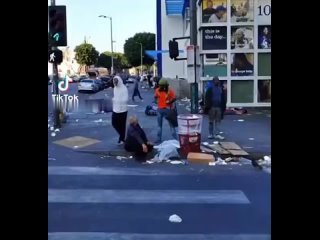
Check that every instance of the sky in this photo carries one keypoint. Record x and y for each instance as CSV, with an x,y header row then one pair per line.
x,y
128,18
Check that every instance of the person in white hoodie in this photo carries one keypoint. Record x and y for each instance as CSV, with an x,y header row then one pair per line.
x,y
120,108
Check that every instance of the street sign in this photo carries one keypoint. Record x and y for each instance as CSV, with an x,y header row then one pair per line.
x,y
55,56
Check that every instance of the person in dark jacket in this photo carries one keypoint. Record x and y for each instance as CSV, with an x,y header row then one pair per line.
x,y
136,91
215,105
137,141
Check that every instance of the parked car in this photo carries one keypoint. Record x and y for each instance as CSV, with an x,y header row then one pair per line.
x,y
100,84
88,85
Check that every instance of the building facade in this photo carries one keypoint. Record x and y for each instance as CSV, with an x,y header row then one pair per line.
x,y
234,37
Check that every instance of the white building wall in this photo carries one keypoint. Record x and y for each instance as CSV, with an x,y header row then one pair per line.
x,y
172,26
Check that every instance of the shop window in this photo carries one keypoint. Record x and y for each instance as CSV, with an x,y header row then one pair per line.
x,y
242,91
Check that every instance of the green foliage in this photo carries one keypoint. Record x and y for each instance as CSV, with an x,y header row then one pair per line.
x,y
132,48
86,54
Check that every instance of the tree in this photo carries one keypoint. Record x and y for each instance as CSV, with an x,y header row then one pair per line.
x,y
86,54
132,48
119,60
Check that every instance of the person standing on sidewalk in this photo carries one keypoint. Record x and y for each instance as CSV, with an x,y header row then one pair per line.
x,y
120,108
136,91
164,97
215,104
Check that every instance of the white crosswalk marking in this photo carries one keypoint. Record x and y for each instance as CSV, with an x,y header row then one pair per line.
x,y
135,236
65,197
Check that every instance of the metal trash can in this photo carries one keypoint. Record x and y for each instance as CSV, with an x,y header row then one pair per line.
x,y
189,131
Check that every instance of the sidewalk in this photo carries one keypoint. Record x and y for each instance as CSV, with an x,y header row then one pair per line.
x,y
253,134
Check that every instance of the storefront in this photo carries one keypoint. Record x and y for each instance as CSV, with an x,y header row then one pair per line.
x,y
235,44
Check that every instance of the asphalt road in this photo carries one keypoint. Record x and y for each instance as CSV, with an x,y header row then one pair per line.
x,y
94,197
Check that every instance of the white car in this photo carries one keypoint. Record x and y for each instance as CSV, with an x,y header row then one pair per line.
x,y
88,85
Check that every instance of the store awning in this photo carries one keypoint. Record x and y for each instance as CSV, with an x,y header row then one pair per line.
x,y
175,7
154,53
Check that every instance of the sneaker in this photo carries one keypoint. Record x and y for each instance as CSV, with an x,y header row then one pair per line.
x,y
120,143
210,136
219,137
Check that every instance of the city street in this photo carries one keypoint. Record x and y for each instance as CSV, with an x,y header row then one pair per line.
x,y
93,196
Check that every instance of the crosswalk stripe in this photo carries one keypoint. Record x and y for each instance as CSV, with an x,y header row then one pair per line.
x,y
53,170
136,236
147,196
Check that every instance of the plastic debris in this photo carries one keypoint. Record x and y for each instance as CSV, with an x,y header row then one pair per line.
x,y
75,146
175,218
240,120
220,132
48,126
229,159
175,162
57,130
251,139
267,158
98,121
77,120
215,142
52,159
212,163
53,134
220,162
52,128
131,157
205,143
120,157
185,99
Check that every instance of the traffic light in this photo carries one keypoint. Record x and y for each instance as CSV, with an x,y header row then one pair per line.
x,y
173,49
55,56
58,25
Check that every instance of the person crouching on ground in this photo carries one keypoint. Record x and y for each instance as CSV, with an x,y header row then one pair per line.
x,y
214,104
137,141
119,108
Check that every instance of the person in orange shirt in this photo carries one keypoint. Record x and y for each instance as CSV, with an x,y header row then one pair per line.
x,y
165,97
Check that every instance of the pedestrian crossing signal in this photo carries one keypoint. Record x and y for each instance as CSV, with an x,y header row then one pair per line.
x,y
55,56
58,25
173,49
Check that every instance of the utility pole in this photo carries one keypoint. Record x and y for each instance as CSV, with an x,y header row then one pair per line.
x,y
194,42
104,16
56,105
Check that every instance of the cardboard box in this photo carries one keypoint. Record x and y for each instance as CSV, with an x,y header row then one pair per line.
x,y
200,158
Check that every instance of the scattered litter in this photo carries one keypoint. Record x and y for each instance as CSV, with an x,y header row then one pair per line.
x,y
53,134
244,161
102,112
205,143
48,120
175,218
267,158
220,132
247,147
234,163
52,128
165,144
220,162
175,162
251,139
77,120
75,146
57,130
215,142
212,163
121,157
131,157
240,120
229,159
97,121
132,105
149,162
52,159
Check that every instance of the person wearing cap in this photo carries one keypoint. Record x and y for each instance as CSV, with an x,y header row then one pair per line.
x,y
164,97
207,12
218,16
215,105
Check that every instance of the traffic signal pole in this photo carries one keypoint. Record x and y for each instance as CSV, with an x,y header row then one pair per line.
x,y
56,107
193,41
